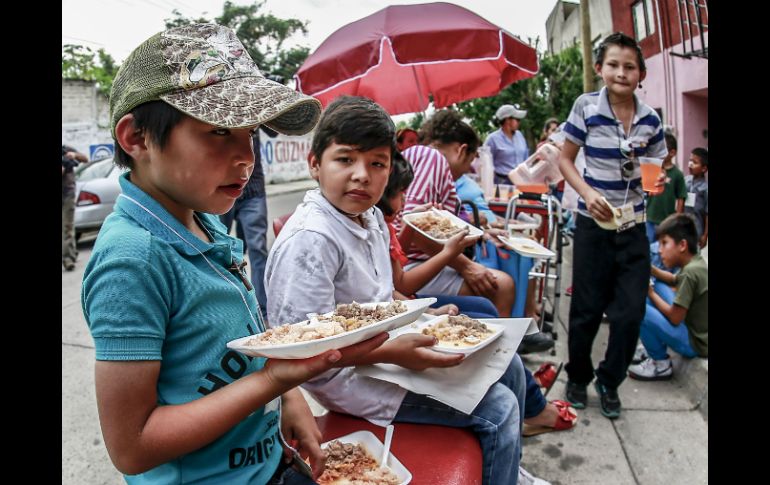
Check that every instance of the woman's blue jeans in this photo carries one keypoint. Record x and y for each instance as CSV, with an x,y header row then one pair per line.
x,y
496,421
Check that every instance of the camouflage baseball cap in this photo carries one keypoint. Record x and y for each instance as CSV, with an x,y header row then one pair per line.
x,y
204,71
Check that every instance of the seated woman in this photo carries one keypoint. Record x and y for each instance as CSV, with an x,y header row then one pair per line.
x,y
540,416
452,147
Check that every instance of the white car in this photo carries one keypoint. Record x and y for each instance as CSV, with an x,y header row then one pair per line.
x,y
96,190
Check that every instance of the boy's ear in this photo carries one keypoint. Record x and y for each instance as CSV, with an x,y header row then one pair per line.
x,y
682,246
642,75
598,69
314,165
131,140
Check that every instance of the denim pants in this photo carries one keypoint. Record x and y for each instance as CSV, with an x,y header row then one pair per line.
x,y
657,332
251,215
473,306
651,227
611,275
534,401
496,421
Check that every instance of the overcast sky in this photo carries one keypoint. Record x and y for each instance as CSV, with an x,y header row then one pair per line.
x,y
119,26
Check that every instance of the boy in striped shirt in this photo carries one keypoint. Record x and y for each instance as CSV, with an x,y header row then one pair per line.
x,y
611,267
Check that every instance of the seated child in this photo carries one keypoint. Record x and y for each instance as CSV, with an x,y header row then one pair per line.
x,y
335,249
678,320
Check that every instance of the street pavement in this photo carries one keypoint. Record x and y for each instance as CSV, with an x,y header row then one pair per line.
x,y
661,436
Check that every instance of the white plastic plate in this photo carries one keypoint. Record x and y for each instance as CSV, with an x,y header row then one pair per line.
x,y
409,219
375,446
310,348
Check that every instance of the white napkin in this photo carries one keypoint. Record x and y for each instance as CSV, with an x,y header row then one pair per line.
x,y
464,386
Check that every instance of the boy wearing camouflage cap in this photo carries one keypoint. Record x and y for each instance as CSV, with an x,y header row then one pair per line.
x,y
165,290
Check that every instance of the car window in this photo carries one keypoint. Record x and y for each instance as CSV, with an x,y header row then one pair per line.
x,y
95,170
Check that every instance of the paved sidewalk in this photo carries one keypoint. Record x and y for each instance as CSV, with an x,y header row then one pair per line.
x,y
661,436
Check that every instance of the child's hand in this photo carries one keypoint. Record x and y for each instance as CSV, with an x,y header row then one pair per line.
x,y
301,431
596,206
459,241
448,309
425,207
412,351
492,235
291,373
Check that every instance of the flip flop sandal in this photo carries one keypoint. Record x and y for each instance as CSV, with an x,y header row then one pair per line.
x,y
567,419
546,375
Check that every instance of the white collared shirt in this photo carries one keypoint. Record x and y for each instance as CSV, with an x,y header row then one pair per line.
x,y
322,258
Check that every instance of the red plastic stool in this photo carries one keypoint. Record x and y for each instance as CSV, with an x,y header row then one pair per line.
x,y
435,455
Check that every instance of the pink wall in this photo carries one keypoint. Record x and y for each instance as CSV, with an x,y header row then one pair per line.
x,y
686,106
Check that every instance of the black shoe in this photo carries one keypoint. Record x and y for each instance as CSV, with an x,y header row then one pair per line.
x,y
547,327
610,402
69,266
537,342
548,316
577,394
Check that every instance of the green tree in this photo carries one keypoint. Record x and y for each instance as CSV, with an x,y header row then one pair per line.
x,y
550,93
80,62
263,35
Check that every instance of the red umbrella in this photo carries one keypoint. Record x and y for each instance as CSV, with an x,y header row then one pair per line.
x,y
402,53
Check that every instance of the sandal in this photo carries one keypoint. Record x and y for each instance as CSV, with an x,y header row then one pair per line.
x,y
546,375
567,419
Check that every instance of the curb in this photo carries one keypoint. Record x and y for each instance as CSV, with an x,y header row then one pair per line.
x,y
290,187
693,374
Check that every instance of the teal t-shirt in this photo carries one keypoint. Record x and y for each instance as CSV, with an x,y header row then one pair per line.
x,y
661,206
149,295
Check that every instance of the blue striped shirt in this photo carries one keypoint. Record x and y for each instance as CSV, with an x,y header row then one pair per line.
x,y
593,126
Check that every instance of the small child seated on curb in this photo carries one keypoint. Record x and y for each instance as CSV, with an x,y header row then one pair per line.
x,y
668,310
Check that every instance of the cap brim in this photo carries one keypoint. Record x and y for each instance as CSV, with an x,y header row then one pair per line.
x,y
249,101
520,115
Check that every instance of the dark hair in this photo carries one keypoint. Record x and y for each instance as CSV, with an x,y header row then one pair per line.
x,y
355,121
671,142
446,126
156,119
549,121
703,154
680,227
400,134
401,177
621,40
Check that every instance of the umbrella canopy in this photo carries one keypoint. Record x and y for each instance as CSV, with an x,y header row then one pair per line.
x,y
403,53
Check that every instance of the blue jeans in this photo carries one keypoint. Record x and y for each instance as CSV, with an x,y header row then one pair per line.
x,y
496,421
657,332
473,306
251,215
535,401
651,226
480,307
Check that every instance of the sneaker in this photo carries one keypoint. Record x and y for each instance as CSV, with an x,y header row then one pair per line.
x,y
639,355
69,266
526,478
610,402
537,342
652,370
577,394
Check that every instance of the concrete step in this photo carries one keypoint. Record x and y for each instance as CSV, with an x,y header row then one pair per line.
x,y
693,374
